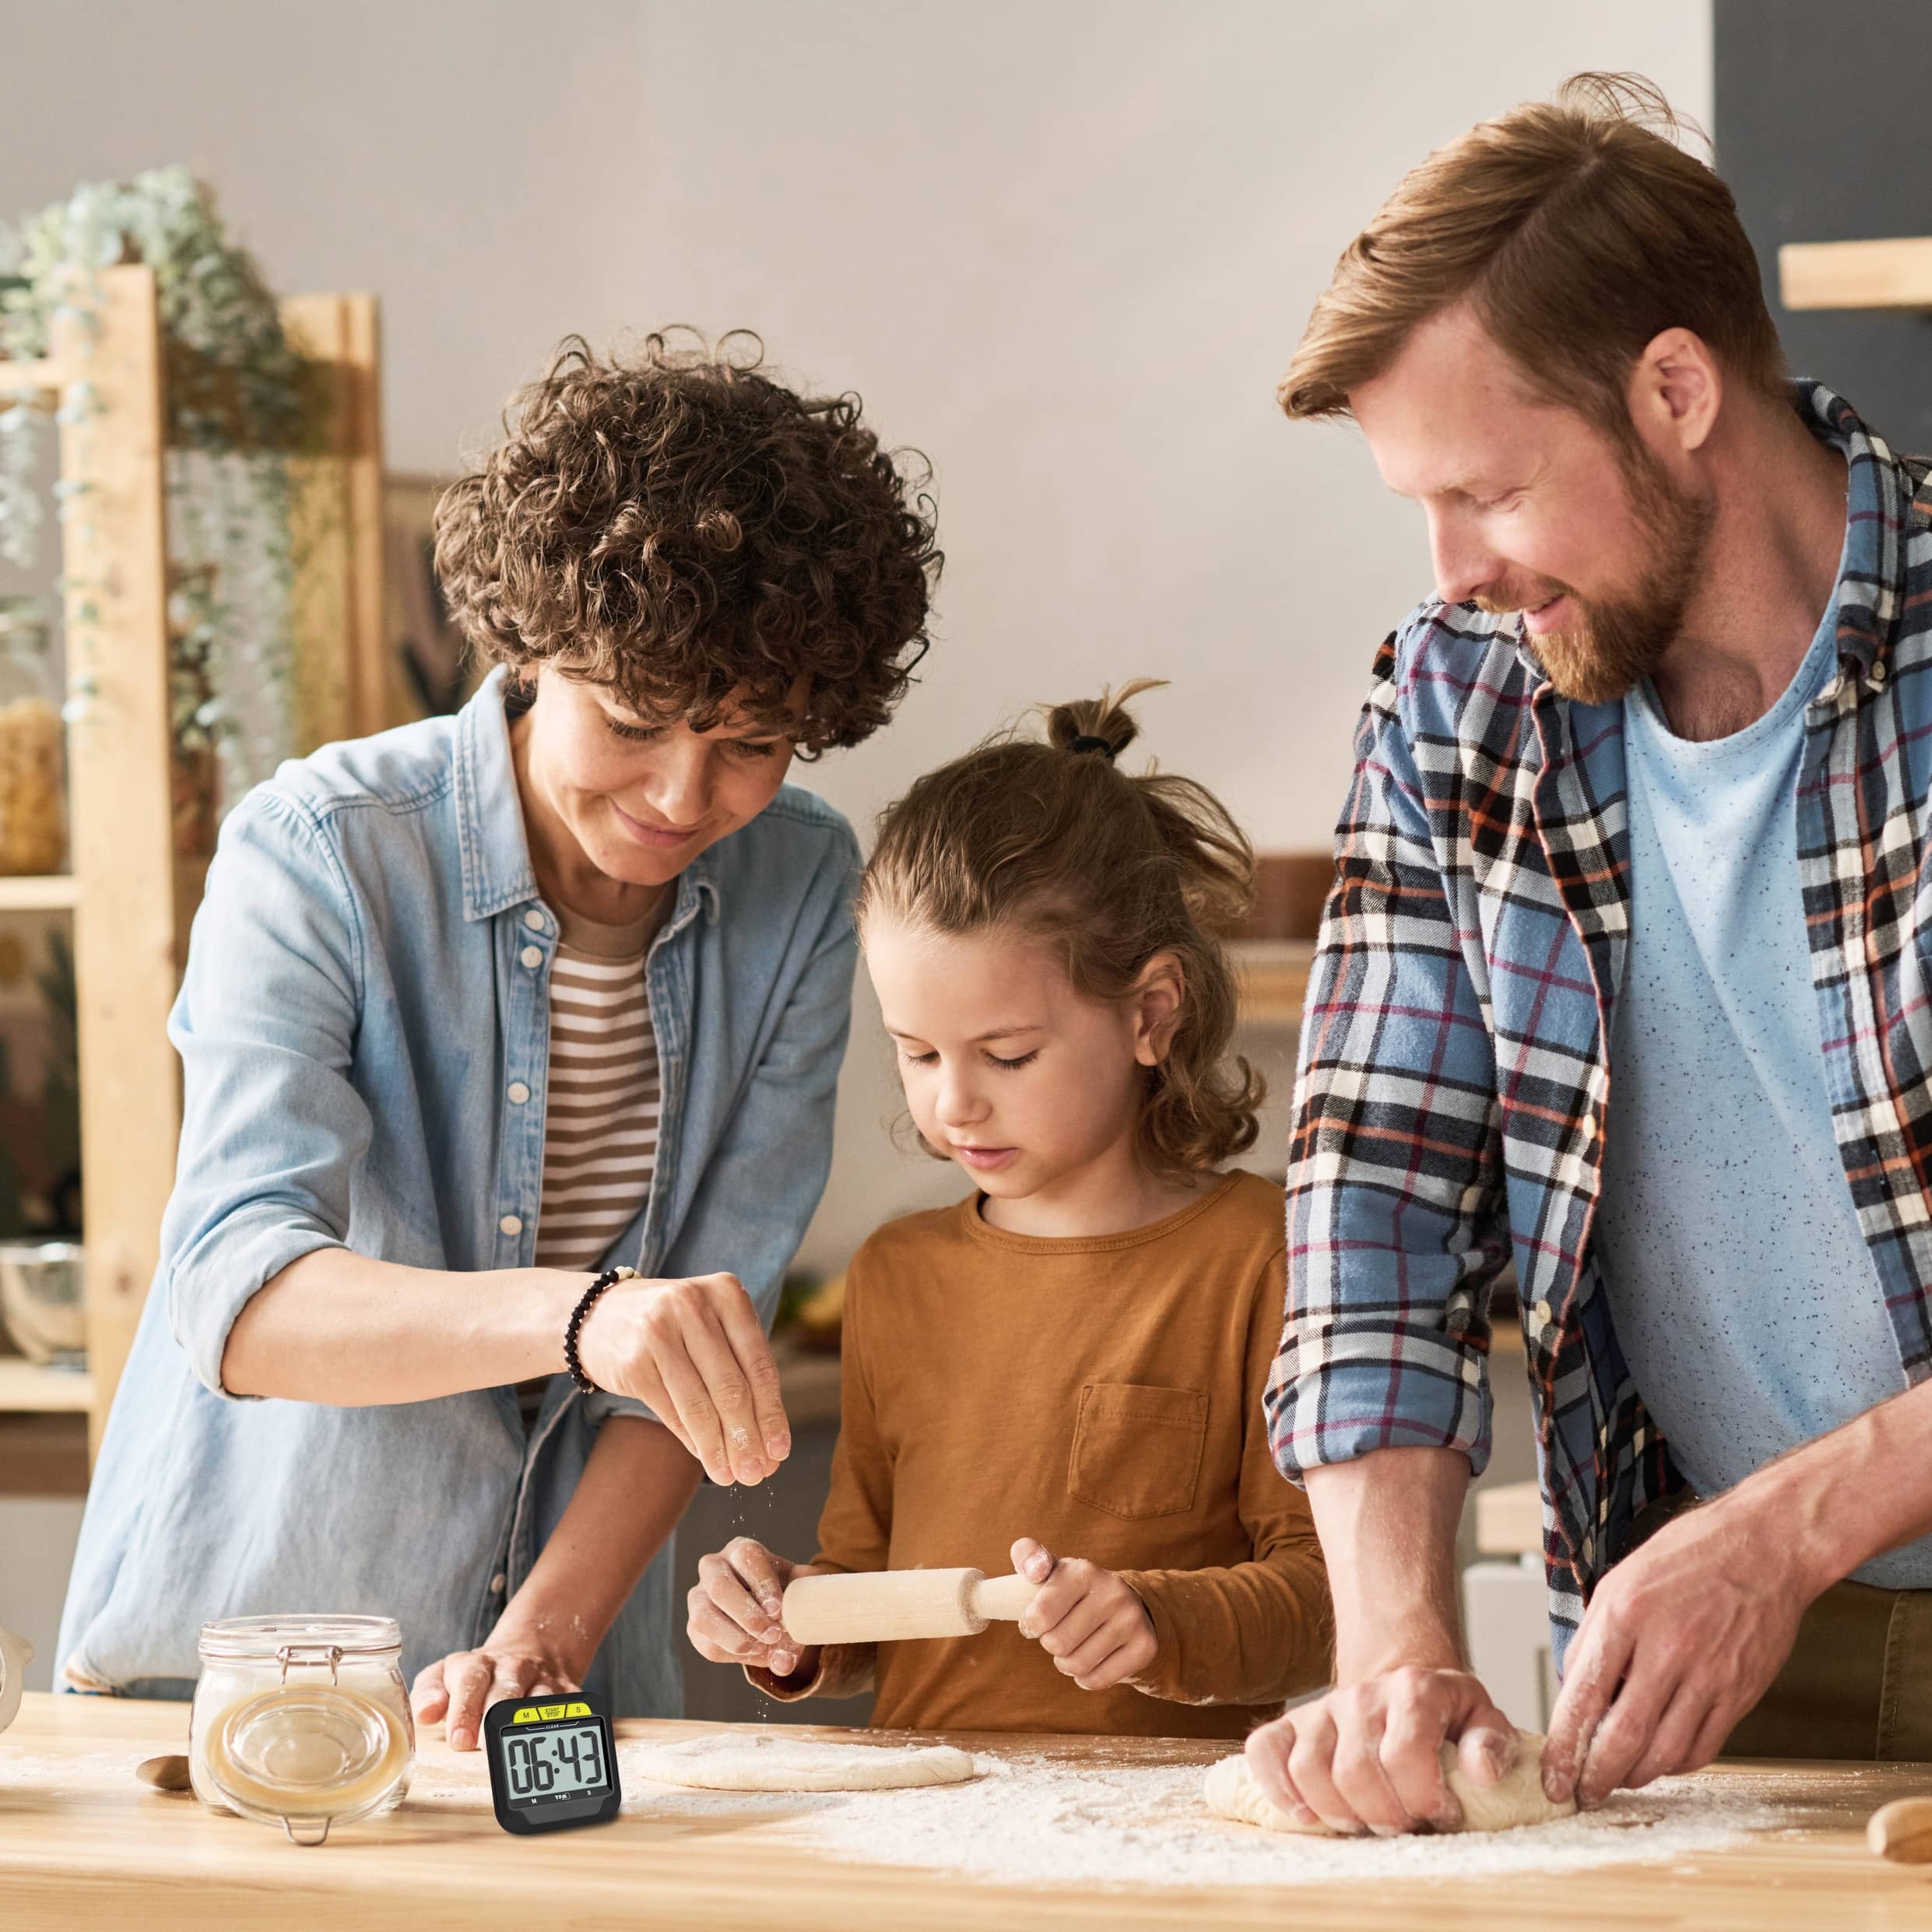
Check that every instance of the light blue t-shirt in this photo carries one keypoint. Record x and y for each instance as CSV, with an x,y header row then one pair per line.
x,y
1744,1297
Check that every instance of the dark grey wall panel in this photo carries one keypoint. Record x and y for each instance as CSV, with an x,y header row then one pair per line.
x,y
1823,112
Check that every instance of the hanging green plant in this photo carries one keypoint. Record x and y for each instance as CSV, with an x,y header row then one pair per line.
x,y
245,405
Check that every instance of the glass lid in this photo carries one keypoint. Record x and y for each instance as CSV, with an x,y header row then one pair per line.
x,y
307,1753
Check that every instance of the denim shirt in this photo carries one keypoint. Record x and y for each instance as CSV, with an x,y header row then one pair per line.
x,y
367,994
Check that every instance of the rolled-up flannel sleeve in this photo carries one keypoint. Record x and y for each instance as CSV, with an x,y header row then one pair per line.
x,y
272,1128
1394,1170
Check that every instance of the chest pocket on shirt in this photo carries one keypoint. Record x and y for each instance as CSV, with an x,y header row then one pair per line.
x,y
1137,1448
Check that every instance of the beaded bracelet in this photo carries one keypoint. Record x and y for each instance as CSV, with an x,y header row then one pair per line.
x,y
581,1314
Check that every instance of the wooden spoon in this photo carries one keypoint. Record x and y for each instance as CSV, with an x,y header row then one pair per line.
x,y
165,1774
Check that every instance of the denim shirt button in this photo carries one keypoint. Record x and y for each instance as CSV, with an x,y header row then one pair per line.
x,y
511,1223
532,956
534,920
518,1093
497,1583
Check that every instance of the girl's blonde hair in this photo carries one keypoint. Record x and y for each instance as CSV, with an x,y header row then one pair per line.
x,y
1053,840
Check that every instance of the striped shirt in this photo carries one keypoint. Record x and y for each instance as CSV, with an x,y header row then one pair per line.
x,y
600,1119
1455,1064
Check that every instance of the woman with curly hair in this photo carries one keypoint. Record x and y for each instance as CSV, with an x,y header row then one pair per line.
x,y
482,1014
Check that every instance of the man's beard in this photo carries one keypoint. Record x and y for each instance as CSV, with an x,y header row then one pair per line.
x,y
1622,640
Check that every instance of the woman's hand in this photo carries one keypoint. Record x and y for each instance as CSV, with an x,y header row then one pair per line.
x,y
734,1609
1091,1622
695,1353
461,1687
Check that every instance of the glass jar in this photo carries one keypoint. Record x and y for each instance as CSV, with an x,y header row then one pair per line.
x,y
302,1722
32,745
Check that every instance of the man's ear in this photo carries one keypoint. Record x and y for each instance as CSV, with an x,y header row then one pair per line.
x,y
1160,991
1675,392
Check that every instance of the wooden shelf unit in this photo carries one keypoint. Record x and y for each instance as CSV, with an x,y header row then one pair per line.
x,y
132,897
1895,274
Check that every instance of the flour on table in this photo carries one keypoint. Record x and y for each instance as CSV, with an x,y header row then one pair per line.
x,y
767,1761
1516,1799
1031,1819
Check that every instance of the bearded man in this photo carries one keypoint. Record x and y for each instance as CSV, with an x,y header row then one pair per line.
x,y
1624,978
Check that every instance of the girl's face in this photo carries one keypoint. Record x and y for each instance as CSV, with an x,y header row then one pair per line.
x,y
641,798
1024,1081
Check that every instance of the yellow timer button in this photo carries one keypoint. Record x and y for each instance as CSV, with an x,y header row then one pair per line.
x,y
528,1714
577,1710
551,1711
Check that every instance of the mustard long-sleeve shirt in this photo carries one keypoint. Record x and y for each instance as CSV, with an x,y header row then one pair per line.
x,y
1104,1396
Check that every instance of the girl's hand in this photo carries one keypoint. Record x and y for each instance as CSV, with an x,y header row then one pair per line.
x,y
461,1687
734,1608
1091,1622
694,1352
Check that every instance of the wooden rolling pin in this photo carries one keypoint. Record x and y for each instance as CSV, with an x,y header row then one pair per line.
x,y
885,1606
1902,1830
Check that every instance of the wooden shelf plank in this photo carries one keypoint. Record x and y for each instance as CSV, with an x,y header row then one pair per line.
x,y
46,378
1273,977
1895,275
27,1389
52,892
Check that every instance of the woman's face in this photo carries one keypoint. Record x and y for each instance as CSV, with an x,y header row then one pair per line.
x,y
640,798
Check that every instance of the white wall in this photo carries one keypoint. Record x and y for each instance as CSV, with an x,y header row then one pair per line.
x,y
1065,248
475,162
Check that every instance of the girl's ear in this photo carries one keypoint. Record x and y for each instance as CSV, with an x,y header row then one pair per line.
x,y
1159,989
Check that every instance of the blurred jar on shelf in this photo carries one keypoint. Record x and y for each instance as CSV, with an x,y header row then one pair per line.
x,y
33,762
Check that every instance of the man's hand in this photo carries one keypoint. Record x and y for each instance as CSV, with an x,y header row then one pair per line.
x,y
694,1352
1681,1639
512,1663
1089,1622
1368,1756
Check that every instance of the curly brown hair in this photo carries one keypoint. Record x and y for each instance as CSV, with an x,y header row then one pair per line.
x,y
680,526
1051,839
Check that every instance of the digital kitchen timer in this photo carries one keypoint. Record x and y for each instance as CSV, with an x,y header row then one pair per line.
x,y
553,1764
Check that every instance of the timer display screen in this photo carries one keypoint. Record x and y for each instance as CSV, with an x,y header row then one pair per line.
x,y
558,1761
552,1765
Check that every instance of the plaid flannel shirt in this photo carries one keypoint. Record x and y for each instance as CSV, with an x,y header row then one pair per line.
x,y
1455,1063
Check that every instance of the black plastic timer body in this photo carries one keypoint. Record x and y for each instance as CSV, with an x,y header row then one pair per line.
x,y
523,1775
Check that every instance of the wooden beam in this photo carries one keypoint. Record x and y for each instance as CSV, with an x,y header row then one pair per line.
x,y
348,684
120,757
1883,275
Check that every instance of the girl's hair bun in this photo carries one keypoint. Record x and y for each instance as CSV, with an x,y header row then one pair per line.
x,y
1098,724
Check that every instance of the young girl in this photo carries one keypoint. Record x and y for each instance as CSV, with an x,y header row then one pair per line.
x,y
1062,1373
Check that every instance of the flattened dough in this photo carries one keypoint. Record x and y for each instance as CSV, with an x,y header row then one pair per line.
x,y
1517,1799
741,1761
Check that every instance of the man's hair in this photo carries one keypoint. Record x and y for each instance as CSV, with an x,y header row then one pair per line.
x,y
680,527
1577,228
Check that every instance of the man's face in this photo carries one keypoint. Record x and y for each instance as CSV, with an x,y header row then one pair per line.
x,y
1533,507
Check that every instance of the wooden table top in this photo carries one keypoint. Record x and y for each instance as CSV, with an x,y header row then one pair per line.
x,y
86,1845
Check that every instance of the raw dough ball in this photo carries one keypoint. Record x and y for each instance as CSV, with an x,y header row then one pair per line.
x,y
737,1761
1517,1799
